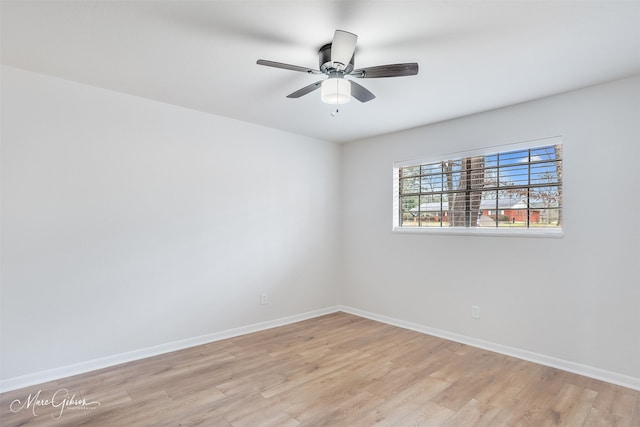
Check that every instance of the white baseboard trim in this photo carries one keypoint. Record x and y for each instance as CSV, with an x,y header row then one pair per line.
x,y
105,362
116,359
565,365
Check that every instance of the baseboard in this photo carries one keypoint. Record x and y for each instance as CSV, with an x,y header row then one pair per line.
x,y
576,368
116,359
105,362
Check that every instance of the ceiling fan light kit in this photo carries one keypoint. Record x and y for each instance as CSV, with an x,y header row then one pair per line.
x,y
335,90
336,62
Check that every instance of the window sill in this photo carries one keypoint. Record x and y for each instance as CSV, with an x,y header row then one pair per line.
x,y
494,232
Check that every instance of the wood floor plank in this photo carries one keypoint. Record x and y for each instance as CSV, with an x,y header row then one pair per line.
x,y
413,395
338,370
519,413
615,400
474,413
428,415
598,418
543,388
330,362
571,406
460,393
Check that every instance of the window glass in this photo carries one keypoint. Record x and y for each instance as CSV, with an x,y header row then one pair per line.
x,y
511,189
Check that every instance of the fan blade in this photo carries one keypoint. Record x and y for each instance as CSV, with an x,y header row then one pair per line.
x,y
287,66
342,47
305,90
360,92
391,70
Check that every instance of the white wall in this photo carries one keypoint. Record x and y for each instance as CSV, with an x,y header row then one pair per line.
x,y
128,223
576,299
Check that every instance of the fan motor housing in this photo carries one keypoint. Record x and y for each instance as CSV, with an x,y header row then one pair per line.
x,y
326,65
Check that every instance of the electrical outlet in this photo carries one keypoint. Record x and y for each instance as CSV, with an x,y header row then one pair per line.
x,y
264,298
475,311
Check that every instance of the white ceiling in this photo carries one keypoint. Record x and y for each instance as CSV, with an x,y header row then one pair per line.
x,y
473,56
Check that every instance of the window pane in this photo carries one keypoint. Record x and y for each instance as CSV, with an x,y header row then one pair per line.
x,y
489,198
544,197
409,211
544,173
430,219
543,153
514,175
459,218
491,161
431,183
410,171
410,185
431,210
490,177
432,168
431,202
512,218
544,217
487,219
513,157
451,174
488,209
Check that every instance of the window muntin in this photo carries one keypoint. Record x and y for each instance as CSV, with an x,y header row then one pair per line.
x,y
516,189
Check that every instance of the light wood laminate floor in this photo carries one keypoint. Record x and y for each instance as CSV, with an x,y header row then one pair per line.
x,y
337,370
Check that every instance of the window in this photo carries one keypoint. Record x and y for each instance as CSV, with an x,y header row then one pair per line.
x,y
515,189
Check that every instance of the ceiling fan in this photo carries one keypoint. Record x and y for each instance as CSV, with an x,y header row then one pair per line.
x,y
337,62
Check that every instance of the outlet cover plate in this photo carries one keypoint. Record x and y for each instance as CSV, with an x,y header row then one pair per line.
x,y
475,311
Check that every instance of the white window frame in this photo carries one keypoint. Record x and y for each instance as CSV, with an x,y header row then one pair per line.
x,y
474,231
